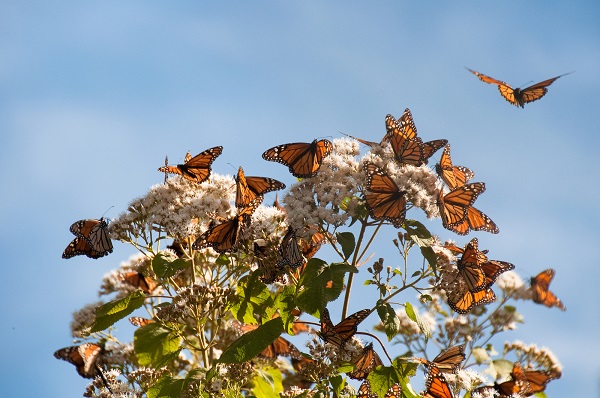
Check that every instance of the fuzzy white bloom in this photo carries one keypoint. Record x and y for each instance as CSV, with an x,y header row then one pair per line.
x,y
513,286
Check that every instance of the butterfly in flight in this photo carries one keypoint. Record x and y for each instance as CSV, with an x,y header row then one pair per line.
x,y
516,96
252,189
139,321
364,363
342,332
540,285
224,237
385,200
408,148
303,159
195,169
91,239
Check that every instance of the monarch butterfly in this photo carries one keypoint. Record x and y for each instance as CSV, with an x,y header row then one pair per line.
x,y
385,201
343,331
289,252
195,169
455,204
224,237
85,357
436,385
407,147
251,189
541,294
139,281
453,176
139,321
364,363
310,248
279,347
303,159
477,221
462,300
448,361
364,391
526,382
517,96
469,267
92,239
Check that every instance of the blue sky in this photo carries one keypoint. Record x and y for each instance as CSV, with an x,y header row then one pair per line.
x,y
93,95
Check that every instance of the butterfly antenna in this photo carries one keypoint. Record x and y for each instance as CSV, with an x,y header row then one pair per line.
x,y
106,211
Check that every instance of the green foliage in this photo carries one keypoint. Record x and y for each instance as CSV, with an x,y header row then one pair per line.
x,y
388,318
250,344
414,316
253,297
111,312
155,345
166,264
348,243
267,383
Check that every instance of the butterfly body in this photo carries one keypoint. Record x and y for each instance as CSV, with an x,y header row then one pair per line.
x,y
224,237
343,331
516,96
454,206
364,363
252,189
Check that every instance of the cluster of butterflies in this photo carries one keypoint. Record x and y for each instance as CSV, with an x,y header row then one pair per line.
x,y
387,202
472,285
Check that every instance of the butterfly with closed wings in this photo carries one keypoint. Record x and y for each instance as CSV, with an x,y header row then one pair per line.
x,y
342,332
91,239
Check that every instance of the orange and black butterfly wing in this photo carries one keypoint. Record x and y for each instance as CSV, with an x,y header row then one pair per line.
x,y
138,280
327,332
95,232
385,201
348,327
139,321
364,363
80,246
436,385
449,360
364,391
505,90
463,300
224,237
453,176
540,285
303,159
493,268
198,168
469,267
289,252
430,147
84,357
455,204
395,391
535,92
251,189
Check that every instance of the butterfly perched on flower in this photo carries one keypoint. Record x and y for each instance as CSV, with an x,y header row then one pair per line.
x,y
385,200
342,332
364,363
85,357
364,391
447,361
91,239
408,148
252,189
436,385
303,159
540,285
195,169
139,281
279,347
454,177
224,237
516,96
289,252
454,206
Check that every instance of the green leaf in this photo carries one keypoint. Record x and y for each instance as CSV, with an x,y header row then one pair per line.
x,y
338,383
383,377
320,284
390,321
267,383
155,345
253,297
415,317
166,264
250,344
113,311
348,243
166,387
285,302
